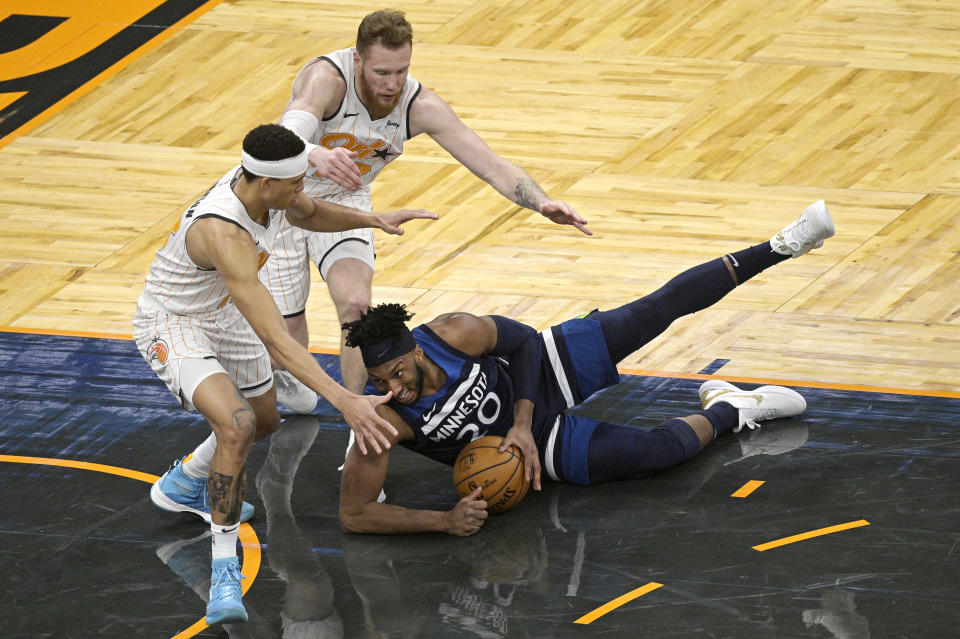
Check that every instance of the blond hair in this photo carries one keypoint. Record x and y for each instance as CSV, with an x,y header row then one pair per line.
x,y
386,27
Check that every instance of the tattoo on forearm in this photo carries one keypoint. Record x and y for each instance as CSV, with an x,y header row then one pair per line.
x,y
529,194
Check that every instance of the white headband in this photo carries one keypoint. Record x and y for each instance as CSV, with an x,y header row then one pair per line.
x,y
279,169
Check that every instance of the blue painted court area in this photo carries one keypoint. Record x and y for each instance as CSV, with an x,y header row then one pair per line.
x,y
87,555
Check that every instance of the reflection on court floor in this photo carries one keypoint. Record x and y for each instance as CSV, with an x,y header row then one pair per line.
x,y
85,554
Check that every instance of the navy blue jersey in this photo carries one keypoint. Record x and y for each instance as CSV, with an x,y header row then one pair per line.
x,y
477,397
476,400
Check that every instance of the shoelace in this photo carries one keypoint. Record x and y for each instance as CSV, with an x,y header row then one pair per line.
x,y
760,414
802,233
227,585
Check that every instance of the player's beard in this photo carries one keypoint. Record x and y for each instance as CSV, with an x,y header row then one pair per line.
x,y
374,103
419,382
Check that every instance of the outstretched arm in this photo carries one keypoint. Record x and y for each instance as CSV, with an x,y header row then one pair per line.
x,y
320,215
360,485
431,114
213,243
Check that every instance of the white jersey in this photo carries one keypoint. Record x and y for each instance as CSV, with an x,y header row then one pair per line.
x,y
178,286
186,326
377,143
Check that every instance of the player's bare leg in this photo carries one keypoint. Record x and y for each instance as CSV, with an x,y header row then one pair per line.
x,y
234,424
298,329
293,394
702,427
350,282
185,486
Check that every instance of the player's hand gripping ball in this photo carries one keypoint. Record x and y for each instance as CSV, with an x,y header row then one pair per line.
x,y
499,475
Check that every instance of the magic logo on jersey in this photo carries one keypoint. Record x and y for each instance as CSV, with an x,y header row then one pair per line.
x,y
468,413
377,148
158,350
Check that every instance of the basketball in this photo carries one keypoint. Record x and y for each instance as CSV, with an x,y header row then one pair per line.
x,y
501,475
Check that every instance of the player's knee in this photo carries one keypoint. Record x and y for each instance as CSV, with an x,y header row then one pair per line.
x,y
678,442
657,311
236,435
350,307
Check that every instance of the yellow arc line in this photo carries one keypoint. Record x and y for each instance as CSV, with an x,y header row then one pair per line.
x,y
248,537
813,533
70,463
616,603
748,488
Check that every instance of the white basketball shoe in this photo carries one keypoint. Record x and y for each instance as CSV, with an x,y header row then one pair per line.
x,y
784,438
293,394
806,232
761,404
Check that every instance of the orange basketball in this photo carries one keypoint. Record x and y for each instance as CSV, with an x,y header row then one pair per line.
x,y
500,475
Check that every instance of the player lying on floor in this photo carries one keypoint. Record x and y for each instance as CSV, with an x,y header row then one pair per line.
x,y
461,376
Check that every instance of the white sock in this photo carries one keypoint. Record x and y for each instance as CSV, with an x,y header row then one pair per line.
x,y
224,540
197,463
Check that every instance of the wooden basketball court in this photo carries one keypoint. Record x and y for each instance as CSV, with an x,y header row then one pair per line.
x,y
681,130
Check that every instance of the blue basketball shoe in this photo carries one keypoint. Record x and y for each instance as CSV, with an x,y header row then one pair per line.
x,y
226,603
178,492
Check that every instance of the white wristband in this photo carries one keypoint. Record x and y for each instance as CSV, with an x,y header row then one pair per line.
x,y
303,123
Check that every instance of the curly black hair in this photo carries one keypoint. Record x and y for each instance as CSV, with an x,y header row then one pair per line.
x,y
270,142
380,322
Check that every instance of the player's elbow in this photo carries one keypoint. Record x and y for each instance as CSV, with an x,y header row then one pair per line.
x,y
351,521
360,518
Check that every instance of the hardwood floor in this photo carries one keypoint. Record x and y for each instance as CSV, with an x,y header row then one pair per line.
x,y
681,130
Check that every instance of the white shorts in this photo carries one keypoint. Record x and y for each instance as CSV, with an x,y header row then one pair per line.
x,y
287,273
183,351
